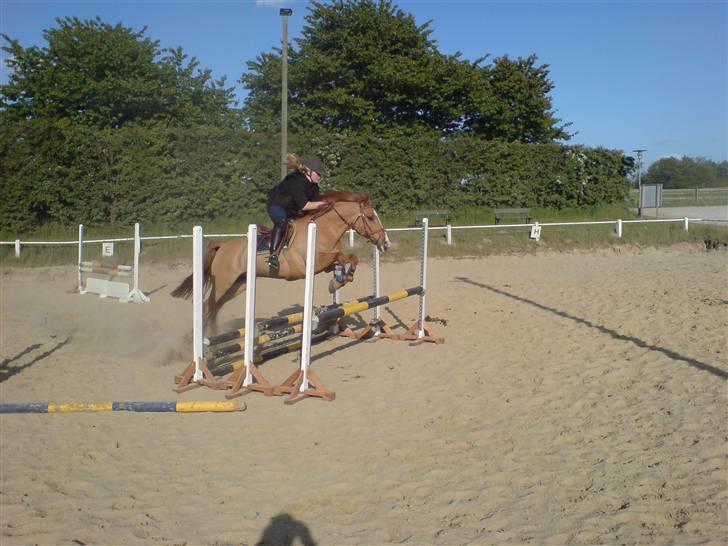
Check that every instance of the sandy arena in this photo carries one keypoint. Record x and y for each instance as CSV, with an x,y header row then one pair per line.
x,y
579,398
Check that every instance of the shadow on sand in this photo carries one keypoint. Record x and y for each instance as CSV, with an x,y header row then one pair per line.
x,y
8,369
283,530
615,334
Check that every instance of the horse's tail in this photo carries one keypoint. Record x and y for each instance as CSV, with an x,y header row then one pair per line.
x,y
184,290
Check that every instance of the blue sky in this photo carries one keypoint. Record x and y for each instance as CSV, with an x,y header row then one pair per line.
x,y
627,74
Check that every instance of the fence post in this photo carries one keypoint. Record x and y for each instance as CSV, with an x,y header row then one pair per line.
x,y
448,234
351,238
685,223
619,228
17,248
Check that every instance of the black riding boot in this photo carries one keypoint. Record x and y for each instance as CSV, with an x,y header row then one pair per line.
x,y
276,236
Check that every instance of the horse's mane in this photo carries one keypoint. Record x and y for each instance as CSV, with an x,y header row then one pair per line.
x,y
331,197
335,196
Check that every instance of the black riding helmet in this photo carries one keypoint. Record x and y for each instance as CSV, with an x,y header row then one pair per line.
x,y
315,164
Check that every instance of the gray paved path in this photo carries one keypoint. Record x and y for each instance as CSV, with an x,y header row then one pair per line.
x,y
714,214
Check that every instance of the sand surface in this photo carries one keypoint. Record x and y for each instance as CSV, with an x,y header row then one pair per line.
x,y
578,399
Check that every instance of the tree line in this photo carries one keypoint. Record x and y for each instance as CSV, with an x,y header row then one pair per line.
x,y
687,172
103,125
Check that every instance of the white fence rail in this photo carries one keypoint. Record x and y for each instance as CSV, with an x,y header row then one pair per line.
x,y
618,227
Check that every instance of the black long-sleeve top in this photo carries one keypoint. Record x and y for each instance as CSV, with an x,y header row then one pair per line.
x,y
293,192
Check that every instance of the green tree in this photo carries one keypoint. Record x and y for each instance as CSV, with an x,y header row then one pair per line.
x,y
106,76
194,97
365,65
521,109
359,65
686,172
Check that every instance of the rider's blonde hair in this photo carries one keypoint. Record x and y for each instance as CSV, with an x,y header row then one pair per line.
x,y
294,163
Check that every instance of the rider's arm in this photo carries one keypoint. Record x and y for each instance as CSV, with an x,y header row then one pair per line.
x,y
313,205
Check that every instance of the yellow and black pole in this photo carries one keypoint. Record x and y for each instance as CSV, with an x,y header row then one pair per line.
x,y
96,407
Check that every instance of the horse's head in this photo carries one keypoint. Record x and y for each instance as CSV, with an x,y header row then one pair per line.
x,y
371,227
357,211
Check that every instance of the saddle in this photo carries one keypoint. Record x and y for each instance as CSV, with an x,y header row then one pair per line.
x,y
262,243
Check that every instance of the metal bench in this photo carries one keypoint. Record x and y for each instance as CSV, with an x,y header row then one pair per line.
x,y
501,214
440,213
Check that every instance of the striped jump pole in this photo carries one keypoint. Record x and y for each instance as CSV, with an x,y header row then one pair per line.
x,y
215,354
229,353
117,271
346,310
270,324
229,364
274,323
146,407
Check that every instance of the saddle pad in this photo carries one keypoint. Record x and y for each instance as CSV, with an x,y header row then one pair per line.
x,y
262,243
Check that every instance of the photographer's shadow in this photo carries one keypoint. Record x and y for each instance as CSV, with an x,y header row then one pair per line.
x,y
283,530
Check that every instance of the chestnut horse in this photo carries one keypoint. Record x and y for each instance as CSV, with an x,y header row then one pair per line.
x,y
226,262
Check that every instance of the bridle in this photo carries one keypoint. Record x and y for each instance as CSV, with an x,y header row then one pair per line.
x,y
368,233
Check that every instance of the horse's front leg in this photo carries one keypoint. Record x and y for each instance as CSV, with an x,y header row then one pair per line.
x,y
353,262
342,274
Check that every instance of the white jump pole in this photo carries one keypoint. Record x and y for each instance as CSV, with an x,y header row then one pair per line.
x,y
377,285
423,278
80,257
308,306
197,296
136,295
251,278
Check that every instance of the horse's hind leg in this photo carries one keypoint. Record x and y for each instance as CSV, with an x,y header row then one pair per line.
x,y
210,309
218,300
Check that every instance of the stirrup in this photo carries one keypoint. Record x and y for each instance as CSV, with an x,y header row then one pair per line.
x,y
273,262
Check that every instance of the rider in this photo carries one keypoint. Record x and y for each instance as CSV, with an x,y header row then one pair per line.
x,y
297,192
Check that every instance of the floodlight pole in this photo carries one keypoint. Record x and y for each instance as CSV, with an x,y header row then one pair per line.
x,y
284,13
639,181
